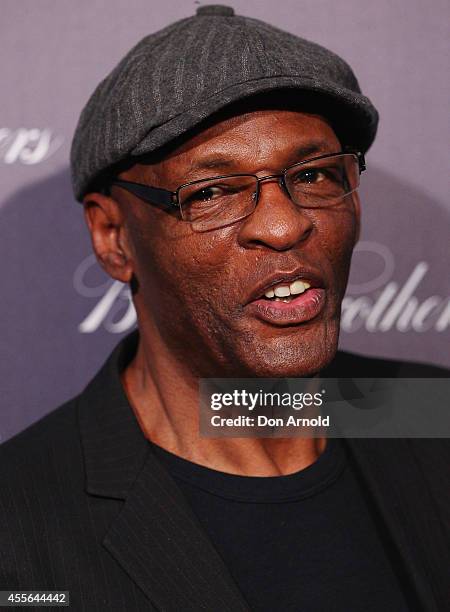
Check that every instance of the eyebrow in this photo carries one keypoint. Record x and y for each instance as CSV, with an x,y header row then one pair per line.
x,y
212,163
302,152
315,147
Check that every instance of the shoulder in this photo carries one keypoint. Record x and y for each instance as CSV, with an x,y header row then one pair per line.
x,y
36,461
56,429
348,364
429,456
42,490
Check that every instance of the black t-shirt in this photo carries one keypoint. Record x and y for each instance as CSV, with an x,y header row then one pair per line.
x,y
306,542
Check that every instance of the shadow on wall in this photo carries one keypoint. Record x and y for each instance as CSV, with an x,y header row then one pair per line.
x,y
45,359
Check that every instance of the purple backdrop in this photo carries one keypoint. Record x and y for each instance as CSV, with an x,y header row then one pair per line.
x,y
61,315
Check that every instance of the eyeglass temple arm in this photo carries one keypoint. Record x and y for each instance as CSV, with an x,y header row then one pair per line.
x,y
362,162
152,195
359,155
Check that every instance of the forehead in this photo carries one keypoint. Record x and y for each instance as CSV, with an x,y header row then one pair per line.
x,y
250,141
262,128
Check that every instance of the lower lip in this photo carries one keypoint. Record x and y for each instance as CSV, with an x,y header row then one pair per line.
x,y
301,309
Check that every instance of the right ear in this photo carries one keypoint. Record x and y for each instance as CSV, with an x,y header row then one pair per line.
x,y
105,221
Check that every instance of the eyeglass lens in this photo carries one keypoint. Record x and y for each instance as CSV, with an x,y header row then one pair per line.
x,y
217,202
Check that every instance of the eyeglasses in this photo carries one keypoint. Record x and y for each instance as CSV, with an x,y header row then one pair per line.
x,y
215,202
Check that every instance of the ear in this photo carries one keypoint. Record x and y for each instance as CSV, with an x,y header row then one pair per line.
x,y
105,221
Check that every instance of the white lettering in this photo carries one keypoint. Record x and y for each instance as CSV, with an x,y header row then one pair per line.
x,y
444,320
28,146
353,308
403,321
425,309
400,301
380,306
109,292
264,421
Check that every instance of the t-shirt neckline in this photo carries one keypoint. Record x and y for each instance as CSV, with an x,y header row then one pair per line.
x,y
299,485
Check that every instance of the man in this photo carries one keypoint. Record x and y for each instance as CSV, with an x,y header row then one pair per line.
x,y
218,165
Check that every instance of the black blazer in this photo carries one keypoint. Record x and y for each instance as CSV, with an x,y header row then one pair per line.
x,y
85,506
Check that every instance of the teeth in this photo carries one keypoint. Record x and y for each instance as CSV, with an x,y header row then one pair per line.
x,y
294,288
282,291
298,287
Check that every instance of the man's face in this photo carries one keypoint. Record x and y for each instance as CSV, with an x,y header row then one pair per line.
x,y
203,293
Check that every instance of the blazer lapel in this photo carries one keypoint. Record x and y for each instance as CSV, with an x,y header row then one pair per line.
x,y
157,540
155,537
401,495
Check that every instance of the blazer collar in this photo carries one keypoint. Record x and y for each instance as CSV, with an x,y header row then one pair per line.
x,y
155,537
114,445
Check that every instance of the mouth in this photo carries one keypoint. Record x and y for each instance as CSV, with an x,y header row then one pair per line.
x,y
288,299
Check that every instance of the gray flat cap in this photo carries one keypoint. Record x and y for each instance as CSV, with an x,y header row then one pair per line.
x,y
173,79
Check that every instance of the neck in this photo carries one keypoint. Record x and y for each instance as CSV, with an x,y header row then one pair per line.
x,y
164,397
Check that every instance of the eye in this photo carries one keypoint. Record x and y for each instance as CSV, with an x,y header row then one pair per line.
x,y
309,175
320,175
221,191
206,194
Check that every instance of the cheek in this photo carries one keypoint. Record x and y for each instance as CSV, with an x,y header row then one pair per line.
x,y
181,267
210,288
336,235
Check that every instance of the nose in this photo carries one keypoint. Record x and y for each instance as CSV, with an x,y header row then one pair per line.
x,y
276,223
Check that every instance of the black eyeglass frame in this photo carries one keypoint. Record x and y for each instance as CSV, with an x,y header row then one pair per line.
x,y
169,200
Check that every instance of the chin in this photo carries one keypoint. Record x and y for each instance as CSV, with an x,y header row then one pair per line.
x,y
290,353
